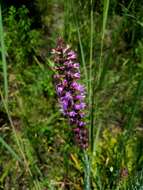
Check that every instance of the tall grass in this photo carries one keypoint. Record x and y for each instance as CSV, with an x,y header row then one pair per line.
x,y
10,150
104,23
3,53
22,159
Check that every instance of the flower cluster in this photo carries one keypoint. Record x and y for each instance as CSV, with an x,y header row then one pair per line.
x,y
70,93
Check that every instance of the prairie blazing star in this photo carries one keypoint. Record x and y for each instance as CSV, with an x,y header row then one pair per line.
x,y
70,93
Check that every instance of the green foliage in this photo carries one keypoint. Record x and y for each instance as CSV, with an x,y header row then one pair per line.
x,y
21,40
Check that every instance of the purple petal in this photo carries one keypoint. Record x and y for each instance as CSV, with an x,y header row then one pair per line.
x,y
64,104
65,82
59,89
76,65
77,106
80,106
68,64
79,97
83,105
81,124
68,96
71,55
77,86
77,75
72,114
74,85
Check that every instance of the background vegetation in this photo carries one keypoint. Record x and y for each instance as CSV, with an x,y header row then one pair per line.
x,y
36,146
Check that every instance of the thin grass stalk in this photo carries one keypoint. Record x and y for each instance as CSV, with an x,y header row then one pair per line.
x,y
82,55
96,139
3,53
91,51
12,125
99,78
87,178
80,44
101,67
91,96
10,150
92,119
101,61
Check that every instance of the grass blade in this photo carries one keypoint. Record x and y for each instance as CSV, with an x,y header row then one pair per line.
x,y
90,89
80,44
4,64
11,151
105,15
101,63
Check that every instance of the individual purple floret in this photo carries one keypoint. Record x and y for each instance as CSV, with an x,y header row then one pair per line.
x,y
70,93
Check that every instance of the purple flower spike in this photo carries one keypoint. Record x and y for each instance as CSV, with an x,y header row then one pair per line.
x,y
70,93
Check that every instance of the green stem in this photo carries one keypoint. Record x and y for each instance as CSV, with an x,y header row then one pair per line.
x,y
86,171
91,97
